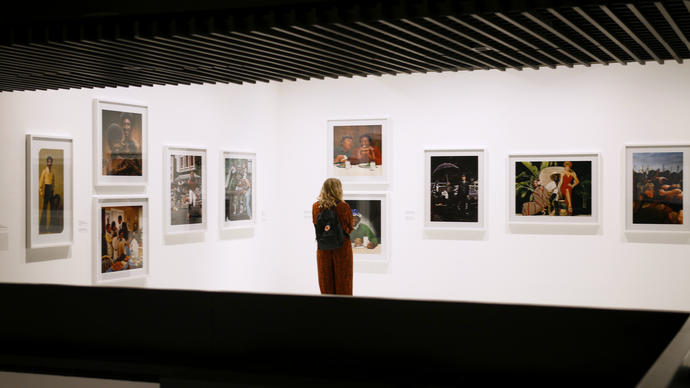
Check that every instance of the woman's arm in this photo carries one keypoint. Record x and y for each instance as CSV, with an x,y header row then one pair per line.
x,y
575,180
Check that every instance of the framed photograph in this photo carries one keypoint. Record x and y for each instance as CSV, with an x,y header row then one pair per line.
x,y
120,143
186,205
655,183
554,188
454,187
358,150
121,238
370,238
238,191
49,215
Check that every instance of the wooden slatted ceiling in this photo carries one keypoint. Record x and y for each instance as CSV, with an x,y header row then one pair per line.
x,y
335,40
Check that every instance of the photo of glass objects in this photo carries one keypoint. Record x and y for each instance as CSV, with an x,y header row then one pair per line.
x,y
51,186
186,196
122,238
553,188
121,143
454,188
657,188
358,150
366,235
238,189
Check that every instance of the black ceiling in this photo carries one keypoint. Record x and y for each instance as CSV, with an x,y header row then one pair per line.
x,y
131,44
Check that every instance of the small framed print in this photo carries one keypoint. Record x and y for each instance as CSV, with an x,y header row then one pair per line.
x,y
370,238
358,150
554,188
238,189
121,238
120,143
454,188
656,179
48,191
186,205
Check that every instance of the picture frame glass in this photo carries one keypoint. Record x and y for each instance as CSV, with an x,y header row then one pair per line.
x,y
655,183
49,192
358,150
554,188
370,238
238,189
185,186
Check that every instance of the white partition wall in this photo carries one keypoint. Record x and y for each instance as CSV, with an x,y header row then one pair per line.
x,y
581,110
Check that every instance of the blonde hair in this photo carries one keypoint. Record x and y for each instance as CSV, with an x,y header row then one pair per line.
x,y
331,193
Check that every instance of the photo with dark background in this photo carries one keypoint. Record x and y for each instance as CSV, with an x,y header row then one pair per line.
x,y
452,199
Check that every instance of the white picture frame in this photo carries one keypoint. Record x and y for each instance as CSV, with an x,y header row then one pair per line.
x,y
237,211
660,166
381,253
186,212
120,171
457,162
129,206
589,211
351,171
46,227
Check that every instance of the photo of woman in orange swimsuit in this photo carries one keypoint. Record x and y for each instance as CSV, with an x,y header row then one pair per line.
x,y
568,182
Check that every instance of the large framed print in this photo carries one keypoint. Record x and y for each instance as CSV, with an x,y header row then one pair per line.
x,y
49,215
358,151
120,143
554,188
238,189
121,238
655,183
186,205
454,188
370,238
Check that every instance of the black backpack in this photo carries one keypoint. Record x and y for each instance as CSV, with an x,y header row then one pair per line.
x,y
329,232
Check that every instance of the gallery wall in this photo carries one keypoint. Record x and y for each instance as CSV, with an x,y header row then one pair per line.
x,y
595,109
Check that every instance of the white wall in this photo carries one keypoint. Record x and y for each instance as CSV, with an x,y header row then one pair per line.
x,y
597,109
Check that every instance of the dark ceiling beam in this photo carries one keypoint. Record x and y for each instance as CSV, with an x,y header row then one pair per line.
x,y
608,35
369,38
517,38
585,35
564,38
509,46
465,36
487,65
541,38
628,31
394,66
364,68
651,29
448,65
673,24
431,41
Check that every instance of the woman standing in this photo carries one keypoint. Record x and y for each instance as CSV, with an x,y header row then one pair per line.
x,y
334,266
568,182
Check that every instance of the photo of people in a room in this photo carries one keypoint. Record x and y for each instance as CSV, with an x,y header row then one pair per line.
x,y
553,188
238,189
122,242
186,197
657,188
366,235
51,186
454,188
358,150
121,145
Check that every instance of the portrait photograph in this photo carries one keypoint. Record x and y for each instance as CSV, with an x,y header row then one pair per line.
x,y
239,189
121,143
453,188
357,150
185,185
49,191
553,188
369,237
655,184
121,248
